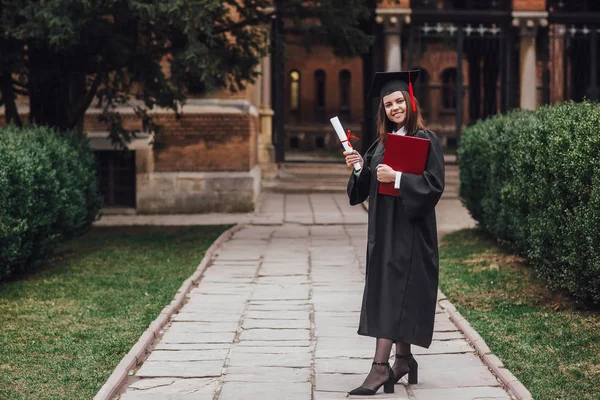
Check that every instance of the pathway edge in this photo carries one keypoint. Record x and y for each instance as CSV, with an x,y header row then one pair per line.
x,y
508,380
118,377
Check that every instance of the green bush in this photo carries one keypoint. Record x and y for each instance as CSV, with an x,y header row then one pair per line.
x,y
532,180
48,193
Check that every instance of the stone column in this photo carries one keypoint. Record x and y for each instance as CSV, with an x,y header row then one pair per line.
x,y
393,18
528,22
393,44
266,150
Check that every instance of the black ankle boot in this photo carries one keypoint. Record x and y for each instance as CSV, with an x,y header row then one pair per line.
x,y
388,384
413,369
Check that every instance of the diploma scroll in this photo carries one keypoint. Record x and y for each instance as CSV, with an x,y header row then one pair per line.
x,y
337,126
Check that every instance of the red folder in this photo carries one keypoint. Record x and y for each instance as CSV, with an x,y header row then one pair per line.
x,y
405,154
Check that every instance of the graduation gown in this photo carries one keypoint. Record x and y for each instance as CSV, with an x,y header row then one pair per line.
x,y
400,294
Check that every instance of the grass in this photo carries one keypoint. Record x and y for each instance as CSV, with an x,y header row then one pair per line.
x,y
66,327
550,344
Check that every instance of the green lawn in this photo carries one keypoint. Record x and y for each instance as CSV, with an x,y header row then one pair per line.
x,y
542,337
65,328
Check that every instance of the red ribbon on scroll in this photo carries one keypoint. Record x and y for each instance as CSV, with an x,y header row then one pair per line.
x,y
348,136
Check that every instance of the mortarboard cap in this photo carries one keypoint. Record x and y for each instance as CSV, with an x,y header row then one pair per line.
x,y
385,83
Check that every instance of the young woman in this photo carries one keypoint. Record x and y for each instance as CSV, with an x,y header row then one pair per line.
x,y
399,298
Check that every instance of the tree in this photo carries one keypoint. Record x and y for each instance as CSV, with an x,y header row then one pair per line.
x,y
65,54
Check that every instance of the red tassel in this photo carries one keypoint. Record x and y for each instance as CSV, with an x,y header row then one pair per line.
x,y
412,94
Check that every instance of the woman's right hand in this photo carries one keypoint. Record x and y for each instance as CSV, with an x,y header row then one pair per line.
x,y
353,156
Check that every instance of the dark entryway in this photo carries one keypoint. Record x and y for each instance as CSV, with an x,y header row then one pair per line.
x,y
469,62
569,48
116,177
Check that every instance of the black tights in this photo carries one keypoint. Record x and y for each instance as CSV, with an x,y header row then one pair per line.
x,y
379,373
400,366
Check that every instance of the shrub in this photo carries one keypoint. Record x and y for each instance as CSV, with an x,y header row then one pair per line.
x,y
48,193
531,179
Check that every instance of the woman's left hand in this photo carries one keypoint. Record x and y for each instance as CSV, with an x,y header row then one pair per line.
x,y
385,173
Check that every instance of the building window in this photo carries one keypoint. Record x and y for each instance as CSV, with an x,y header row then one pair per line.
x,y
345,81
449,89
294,91
320,94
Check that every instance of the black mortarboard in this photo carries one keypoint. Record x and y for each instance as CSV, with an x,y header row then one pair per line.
x,y
385,83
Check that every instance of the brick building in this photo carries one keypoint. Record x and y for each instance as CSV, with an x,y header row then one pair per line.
x,y
505,53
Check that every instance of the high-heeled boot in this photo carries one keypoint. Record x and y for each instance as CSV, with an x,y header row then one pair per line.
x,y
388,383
412,372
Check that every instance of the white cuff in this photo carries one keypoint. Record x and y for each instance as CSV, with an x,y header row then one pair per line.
x,y
397,182
357,173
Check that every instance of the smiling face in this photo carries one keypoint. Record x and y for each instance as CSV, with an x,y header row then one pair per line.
x,y
395,108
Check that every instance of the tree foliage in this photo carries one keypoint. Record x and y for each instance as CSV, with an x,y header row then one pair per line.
x,y
68,55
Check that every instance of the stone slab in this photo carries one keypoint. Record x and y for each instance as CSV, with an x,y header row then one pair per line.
x,y
280,292
287,390
324,321
448,335
472,393
215,299
445,347
335,332
187,355
284,271
444,326
283,280
266,374
273,349
206,317
218,279
253,314
356,347
275,334
274,343
448,361
455,378
171,388
192,369
194,305
296,360
202,327
194,337
342,366
275,303
191,346
336,306
276,323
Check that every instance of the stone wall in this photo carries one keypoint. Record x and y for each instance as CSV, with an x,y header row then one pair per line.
x,y
205,161
197,192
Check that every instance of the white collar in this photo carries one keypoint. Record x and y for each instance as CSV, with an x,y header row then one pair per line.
x,y
400,131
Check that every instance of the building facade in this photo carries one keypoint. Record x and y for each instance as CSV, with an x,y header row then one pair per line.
x,y
477,58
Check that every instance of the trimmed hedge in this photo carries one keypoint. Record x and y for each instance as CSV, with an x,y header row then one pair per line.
x,y
532,180
48,193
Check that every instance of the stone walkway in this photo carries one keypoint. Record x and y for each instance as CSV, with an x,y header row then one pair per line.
x,y
301,208
276,312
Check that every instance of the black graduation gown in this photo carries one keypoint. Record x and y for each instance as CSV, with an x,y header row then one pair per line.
x,y
401,283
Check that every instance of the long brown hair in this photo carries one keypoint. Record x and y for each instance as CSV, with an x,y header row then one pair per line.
x,y
412,123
